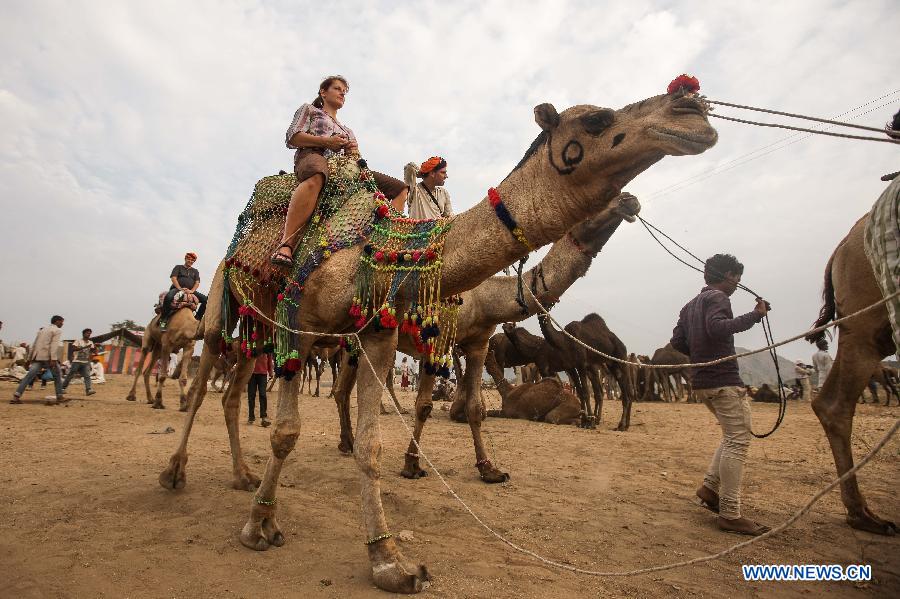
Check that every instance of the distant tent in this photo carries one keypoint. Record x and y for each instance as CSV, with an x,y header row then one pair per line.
x,y
121,358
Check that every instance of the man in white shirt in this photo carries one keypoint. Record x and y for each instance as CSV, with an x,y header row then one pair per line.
x,y
822,363
44,354
81,362
429,199
802,371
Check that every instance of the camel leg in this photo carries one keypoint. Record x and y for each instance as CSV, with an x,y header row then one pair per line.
x,y
244,480
594,377
261,530
389,383
411,468
161,376
342,387
182,374
173,477
580,390
391,571
334,375
154,356
476,352
145,351
835,406
627,399
318,368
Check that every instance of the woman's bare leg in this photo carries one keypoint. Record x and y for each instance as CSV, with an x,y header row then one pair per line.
x,y
303,202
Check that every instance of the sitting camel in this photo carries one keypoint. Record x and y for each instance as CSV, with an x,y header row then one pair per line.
x,y
545,401
864,340
181,333
577,165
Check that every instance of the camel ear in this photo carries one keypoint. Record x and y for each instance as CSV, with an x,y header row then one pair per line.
x,y
545,116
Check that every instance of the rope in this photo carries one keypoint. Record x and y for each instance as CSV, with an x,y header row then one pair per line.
x,y
749,156
697,560
706,558
766,325
831,324
816,131
797,116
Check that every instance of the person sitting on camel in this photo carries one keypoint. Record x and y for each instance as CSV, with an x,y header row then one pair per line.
x,y
184,278
316,134
430,199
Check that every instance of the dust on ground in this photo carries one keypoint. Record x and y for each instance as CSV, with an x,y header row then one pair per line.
x,y
84,515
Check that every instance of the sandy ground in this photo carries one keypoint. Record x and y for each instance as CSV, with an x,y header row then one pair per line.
x,y
84,516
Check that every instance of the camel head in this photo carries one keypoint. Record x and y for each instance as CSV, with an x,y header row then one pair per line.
x,y
590,153
593,233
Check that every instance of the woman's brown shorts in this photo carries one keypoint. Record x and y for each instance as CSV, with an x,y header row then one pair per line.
x,y
309,162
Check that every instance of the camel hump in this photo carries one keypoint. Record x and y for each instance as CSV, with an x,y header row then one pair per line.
x,y
593,317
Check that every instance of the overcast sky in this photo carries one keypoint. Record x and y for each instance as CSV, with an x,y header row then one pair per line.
x,y
134,131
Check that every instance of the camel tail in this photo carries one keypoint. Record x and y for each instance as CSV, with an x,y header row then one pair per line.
x,y
828,311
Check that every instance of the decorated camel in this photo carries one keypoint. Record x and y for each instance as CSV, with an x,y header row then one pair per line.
x,y
592,331
863,341
544,401
181,333
577,165
492,302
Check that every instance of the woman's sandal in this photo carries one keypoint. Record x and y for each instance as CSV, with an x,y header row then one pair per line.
x,y
283,260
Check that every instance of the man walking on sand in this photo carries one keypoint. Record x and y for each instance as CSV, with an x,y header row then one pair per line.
x,y
44,353
705,332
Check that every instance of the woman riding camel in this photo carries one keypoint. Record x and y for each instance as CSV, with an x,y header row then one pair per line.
x,y
316,134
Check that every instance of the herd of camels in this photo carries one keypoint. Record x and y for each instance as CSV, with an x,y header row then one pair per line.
x,y
566,191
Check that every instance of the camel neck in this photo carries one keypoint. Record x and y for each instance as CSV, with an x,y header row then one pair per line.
x,y
478,245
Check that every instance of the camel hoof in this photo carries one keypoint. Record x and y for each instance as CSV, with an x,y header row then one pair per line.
x,y
131,398
413,473
252,538
158,405
494,476
869,522
397,577
246,482
173,478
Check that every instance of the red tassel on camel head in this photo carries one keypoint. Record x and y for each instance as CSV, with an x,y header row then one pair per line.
x,y
689,83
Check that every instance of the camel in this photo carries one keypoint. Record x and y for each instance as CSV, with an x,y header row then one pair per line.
x,y
544,401
492,302
592,330
887,378
662,356
576,166
181,333
863,342
224,366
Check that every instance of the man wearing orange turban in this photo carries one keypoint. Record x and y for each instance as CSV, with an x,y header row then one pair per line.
x,y
429,199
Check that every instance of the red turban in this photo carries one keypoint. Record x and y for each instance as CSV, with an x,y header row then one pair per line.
x,y
432,164
191,255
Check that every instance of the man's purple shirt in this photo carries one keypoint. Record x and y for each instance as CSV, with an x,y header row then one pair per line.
x,y
705,332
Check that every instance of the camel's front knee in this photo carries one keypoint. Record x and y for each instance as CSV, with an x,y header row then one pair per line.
x,y
283,439
368,460
423,412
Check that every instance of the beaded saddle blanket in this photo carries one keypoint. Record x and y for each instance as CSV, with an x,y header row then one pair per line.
x,y
398,253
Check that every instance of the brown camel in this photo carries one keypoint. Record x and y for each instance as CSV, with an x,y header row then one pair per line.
x,y
576,166
887,378
224,366
545,401
863,342
592,330
662,378
492,302
181,333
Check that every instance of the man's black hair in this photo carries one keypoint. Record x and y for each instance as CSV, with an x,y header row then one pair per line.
x,y
718,266
822,344
55,317
86,331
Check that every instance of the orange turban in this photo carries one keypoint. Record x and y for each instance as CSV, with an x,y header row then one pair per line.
x,y
191,255
432,164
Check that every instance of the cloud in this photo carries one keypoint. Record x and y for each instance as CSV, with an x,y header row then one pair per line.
x,y
134,132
